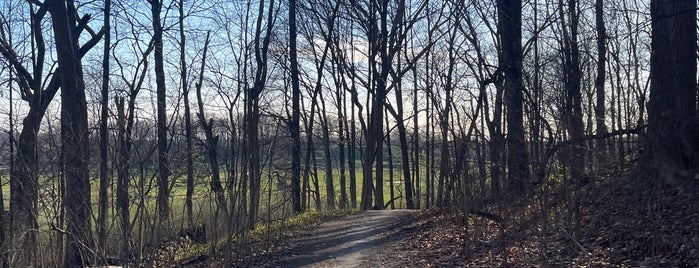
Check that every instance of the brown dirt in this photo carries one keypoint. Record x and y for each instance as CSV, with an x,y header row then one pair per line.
x,y
352,241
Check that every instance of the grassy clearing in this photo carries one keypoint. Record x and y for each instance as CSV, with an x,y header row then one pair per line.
x,y
273,207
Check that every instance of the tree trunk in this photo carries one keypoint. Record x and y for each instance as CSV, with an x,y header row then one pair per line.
x,y
316,184
11,143
510,28
416,138
390,165
341,122
211,139
105,180
294,127
24,177
671,144
252,109
404,151
574,97
74,137
123,177
163,199
329,186
187,121
352,131
599,83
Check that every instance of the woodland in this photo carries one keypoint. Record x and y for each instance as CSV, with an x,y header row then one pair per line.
x,y
159,133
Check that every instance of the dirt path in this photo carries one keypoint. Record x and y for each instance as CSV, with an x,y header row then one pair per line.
x,y
352,241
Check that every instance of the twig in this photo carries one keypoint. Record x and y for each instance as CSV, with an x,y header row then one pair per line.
x,y
582,248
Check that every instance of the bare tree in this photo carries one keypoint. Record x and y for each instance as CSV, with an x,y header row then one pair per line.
x,y
573,114
163,200
187,118
600,82
252,108
74,135
105,180
294,127
211,143
38,93
510,29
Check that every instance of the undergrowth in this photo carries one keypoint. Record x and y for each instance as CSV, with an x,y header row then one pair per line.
x,y
265,235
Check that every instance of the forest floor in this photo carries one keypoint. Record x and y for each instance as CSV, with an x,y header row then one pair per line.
x,y
604,225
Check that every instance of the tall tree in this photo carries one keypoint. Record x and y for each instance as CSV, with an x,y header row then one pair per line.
x,y
74,135
252,106
104,142
211,143
187,118
163,200
329,185
24,174
444,123
294,127
37,91
573,114
510,29
126,118
601,125
672,126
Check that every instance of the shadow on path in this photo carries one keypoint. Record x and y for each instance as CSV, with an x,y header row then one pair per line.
x,y
346,242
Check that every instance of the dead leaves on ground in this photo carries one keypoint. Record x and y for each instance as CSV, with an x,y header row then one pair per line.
x,y
659,231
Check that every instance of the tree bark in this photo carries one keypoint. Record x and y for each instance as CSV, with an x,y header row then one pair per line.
x,y
211,143
252,109
329,186
74,137
163,200
105,180
123,177
574,97
599,83
294,127
187,121
671,140
510,28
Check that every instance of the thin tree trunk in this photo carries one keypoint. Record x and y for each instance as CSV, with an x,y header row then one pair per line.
x,y
187,121
404,153
211,139
105,180
123,163
599,83
316,184
416,138
163,199
574,97
341,140
294,127
390,165
329,186
252,110
352,158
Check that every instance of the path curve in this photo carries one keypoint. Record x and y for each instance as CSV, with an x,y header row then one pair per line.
x,y
352,241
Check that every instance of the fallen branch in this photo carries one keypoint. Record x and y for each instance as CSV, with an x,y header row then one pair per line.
x,y
582,248
558,146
